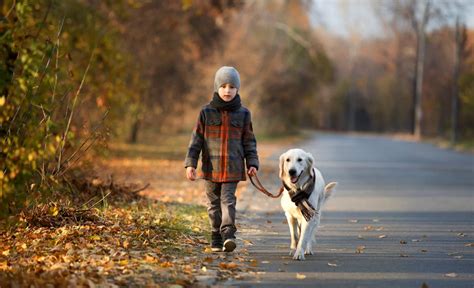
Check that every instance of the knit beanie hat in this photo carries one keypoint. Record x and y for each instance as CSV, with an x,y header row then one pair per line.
x,y
226,74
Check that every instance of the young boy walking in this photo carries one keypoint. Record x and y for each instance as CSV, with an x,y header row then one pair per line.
x,y
224,136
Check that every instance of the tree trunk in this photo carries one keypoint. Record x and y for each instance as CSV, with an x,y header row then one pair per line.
x,y
420,59
134,132
455,96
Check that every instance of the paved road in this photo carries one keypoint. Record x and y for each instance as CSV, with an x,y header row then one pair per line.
x,y
408,208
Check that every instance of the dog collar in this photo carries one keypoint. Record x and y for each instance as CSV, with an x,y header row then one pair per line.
x,y
308,187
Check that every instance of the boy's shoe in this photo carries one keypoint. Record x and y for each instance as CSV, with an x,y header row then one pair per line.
x,y
229,245
216,242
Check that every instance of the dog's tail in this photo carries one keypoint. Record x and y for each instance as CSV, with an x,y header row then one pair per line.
x,y
329,189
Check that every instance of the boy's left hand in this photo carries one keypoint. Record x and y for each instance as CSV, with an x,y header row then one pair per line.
x,y
252,171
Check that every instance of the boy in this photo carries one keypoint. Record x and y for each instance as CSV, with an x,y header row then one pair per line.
x,y
225,137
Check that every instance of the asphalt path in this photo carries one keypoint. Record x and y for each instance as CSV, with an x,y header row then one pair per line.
x,y
402,216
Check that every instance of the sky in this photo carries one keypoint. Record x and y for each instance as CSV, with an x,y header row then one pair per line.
x,y
340,16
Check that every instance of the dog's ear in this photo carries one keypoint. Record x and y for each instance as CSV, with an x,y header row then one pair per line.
x,y
282,162
310,161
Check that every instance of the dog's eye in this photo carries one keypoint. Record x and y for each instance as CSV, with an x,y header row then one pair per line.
x,y
299,159
287,159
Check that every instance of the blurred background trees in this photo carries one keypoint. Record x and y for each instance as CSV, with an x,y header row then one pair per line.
x,y
75,73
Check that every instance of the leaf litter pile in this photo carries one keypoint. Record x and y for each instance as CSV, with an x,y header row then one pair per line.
x,y
117,239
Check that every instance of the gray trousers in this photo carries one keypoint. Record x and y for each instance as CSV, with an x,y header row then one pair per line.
x,y
221,207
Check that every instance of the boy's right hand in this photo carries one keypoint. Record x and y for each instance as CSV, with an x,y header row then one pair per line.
x,y
191,173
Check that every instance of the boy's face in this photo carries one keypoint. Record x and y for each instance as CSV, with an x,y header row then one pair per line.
x,y
227,92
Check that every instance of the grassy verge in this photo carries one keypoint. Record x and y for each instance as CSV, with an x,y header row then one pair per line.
x,y
108,234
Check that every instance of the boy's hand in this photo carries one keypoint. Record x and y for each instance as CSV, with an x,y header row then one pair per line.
x,y
191,173
252,171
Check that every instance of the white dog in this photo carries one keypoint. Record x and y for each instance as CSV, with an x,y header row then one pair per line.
x,y
299,176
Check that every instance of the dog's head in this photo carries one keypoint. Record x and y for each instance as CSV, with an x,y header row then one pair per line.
x,y
296,166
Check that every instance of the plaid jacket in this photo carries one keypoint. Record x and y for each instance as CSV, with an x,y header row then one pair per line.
x,y
225,139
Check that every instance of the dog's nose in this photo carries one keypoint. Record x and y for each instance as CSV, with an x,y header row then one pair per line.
x,y
292,172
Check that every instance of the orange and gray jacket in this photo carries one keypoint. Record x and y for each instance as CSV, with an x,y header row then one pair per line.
x,y
225,139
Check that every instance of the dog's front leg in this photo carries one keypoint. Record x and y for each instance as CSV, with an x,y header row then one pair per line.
x,y
313,227
293,225
303,240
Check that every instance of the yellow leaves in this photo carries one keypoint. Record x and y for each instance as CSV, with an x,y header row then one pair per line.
x,y
125,244
150,259
3,265
300,276
2,101
53,210
123,262
22,84
186,4
6,252
95,238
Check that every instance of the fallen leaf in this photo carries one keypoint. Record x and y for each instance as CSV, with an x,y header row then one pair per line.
x,y
123,262
403,255
458,257
54,210
95,237
265,262
230,265
424,250
247,242
360,249
269,222
461,234
6,252
166,264
382,236
208,259
3,265
469,245
332,264
360,237
353,220
125,244
415,240
403,242
451,275
300,276
150,259
375,220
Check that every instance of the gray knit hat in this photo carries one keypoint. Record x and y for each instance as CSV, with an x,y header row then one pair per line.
x,y
226,74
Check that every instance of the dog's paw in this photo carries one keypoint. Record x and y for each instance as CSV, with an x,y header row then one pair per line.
x,y
299,255
308,252
292,251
